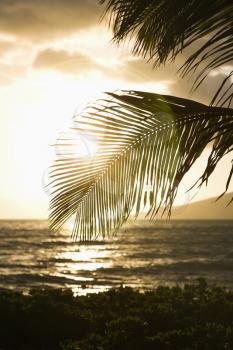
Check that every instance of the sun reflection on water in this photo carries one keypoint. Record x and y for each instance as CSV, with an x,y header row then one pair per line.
x,y
75,263
85,254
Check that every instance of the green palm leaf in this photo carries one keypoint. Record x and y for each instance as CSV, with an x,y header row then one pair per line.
x,y
162,29
145,145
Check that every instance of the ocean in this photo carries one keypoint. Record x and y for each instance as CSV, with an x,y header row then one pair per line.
x,y
143,255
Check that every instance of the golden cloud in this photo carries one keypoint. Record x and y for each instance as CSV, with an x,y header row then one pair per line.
x,y
63,61
42,20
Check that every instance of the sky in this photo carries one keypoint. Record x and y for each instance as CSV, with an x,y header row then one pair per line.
x,y
56,56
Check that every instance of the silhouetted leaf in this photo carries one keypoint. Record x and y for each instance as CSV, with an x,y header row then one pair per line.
x,y
145,145
162,29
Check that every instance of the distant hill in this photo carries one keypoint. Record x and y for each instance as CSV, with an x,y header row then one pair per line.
x,y
206,209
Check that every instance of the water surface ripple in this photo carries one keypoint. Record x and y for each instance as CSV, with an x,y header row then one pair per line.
x,y
143,255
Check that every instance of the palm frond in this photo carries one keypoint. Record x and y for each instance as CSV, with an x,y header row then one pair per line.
x,y
145,145
162,29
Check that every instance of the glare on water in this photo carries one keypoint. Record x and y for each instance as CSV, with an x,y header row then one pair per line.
x,y
143,256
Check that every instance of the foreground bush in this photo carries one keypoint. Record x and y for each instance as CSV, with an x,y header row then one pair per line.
x,y
191,318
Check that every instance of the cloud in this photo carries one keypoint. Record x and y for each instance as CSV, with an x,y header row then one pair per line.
x,y
63,61
205,91
13,61
42,20
11,74
138,70
5,46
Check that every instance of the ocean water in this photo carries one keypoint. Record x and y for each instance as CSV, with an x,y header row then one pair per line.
x,y
143,255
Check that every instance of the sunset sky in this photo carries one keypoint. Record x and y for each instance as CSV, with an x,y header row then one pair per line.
x,y
55,56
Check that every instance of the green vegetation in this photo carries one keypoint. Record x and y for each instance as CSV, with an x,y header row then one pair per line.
x,y
188,318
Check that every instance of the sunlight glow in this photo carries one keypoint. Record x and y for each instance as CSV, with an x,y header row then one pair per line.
x,y
86,147
74,143
37,104
84,258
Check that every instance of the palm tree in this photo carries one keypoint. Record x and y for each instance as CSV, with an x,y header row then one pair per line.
x,y
147,142
163,29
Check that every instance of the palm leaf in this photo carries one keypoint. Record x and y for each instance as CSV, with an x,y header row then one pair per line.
x,y
162,29
145,145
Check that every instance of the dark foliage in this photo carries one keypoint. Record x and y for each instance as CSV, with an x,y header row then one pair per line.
x,y
162,29
191,318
